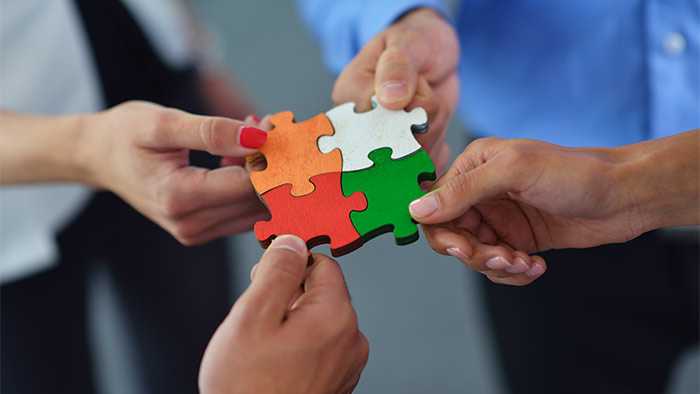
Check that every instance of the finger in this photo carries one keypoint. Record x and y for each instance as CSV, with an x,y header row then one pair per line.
x,y
252,120
227,161
470,221
356,82
325,280
236,221
536,269
396,78
456,195
324,289
521,263
266,123
278,276
190,189
216,135
466,247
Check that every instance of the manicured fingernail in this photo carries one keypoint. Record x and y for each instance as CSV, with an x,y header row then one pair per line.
x,y
252,137
393,91
290,242
536,270
457,253
497,263
254,118
423,207
519,266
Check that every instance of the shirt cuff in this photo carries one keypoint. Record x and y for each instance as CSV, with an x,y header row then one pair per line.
x,y
379,15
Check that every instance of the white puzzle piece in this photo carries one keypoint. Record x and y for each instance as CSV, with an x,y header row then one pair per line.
x,y
358,134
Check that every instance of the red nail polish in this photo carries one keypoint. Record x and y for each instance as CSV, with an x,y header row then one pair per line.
x,y
254,117
252,137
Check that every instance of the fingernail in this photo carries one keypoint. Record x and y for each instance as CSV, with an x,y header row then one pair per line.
x,y
497,263
252,272
393,91
519,266
536,270
292,243
457,253
423,207
252,137
254,118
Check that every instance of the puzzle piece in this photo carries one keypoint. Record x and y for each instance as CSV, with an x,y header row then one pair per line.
x,y
357,134
292,154
320,217
389,185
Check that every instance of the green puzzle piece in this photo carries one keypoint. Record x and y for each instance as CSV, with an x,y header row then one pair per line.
x,y
389,185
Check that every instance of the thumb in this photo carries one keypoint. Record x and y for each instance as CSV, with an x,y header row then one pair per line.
x,y
216,135
324,289
278,276
454,196
396,78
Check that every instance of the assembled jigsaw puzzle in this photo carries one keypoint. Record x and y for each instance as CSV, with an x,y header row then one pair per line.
x,y
343,177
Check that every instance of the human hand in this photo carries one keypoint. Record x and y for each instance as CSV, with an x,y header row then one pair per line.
x,y
294,330
411,64
503,199
140,151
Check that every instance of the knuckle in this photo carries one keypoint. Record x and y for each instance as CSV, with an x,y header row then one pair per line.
x,y
187,233
455,188
395,55
159,123
482,143
209,137
171,204
363,347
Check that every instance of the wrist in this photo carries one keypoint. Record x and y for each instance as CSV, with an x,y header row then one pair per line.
x,y
658,182
83,151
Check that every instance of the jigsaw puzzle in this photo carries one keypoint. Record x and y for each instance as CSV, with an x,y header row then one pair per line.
x,y
292,155
320,217
357,134
342,177
389,185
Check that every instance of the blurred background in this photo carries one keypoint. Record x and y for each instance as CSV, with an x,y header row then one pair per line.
x,y
420,311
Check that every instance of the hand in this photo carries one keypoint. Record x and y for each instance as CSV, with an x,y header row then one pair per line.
x,y
293,331
503,199
411,64
140,151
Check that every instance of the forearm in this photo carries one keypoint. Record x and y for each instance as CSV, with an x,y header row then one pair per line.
x,y
39,149
661,180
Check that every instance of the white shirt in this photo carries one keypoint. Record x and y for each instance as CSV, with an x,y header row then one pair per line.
x,y
46,68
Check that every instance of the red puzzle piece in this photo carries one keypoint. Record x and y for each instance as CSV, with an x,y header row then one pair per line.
x,y
320,217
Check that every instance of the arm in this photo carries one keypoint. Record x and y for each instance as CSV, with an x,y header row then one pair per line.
x,y
294,330
140,151
503,199
39,149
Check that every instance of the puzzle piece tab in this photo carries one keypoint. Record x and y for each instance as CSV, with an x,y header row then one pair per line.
x,y
320,217
357,134
292,154
389,185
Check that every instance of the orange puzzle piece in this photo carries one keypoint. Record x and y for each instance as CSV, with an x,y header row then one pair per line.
x,y
293,156
320,217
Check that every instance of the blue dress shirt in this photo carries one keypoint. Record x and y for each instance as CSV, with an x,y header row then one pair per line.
x,y
576,73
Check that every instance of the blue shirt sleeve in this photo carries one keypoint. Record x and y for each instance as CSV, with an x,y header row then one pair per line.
x,y
344,26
